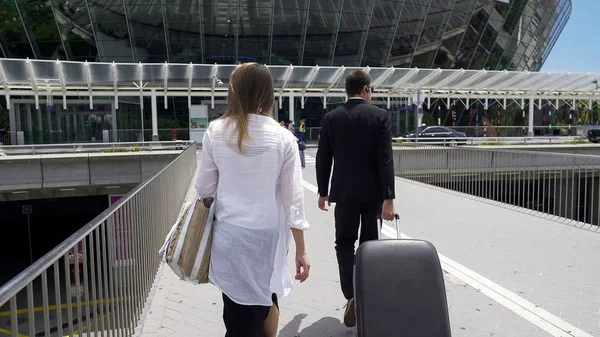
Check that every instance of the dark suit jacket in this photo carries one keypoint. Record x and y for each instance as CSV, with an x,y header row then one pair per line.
x,y
357,139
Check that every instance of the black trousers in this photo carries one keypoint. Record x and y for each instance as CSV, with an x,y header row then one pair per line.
x,y
245,320
348,217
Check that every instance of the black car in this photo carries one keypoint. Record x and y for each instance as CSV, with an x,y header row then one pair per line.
x,y
438,134
594,135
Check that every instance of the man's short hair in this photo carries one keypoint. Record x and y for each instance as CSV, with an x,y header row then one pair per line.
x,y
356,81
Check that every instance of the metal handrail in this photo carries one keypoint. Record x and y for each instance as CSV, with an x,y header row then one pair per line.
x,y
19,282
477,140
430,146
97,144
559,186
89,147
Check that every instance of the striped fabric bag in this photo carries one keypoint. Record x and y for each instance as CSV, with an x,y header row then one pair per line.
x,y
187,247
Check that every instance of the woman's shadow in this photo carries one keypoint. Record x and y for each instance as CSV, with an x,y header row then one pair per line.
x,y
324,327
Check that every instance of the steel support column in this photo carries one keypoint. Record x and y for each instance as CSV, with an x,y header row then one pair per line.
x,y
154,117
113,110
12,121
40,128
291,106
29,123
531,111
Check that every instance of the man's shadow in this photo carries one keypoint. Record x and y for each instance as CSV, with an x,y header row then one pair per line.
x,y
324,327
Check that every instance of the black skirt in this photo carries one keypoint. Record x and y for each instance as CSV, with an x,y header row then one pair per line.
x,y
245,320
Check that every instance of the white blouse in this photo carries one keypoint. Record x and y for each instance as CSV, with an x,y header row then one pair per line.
x,y
259,197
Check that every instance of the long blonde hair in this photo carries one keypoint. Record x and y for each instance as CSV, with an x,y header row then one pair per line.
x,y
250,91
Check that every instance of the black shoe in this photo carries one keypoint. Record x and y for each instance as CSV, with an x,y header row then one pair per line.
x,y
349,316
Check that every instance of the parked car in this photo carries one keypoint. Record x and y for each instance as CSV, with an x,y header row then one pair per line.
x,y
594,135
438,134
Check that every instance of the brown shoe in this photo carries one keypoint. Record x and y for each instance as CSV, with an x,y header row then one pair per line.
x,y
349,316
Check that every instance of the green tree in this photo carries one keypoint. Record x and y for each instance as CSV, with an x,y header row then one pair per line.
x,y
38,15
10,25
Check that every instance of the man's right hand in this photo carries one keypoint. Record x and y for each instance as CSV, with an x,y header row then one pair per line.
x,y
322,202
388,211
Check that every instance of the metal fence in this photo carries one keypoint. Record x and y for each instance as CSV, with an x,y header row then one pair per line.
x,y
451,141
560,186
92,147
137,135
91,136
516,131
97,281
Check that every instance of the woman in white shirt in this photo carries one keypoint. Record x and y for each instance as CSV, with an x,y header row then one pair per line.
x,y
251,164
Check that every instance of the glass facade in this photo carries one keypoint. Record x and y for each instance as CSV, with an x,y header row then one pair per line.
x,y
449,34
470,34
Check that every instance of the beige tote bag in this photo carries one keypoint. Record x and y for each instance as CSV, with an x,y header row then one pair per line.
x,y
187,247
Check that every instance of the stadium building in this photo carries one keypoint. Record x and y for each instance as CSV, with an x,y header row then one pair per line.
x,y
448,34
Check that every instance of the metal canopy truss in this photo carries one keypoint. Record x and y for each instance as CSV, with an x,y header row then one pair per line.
x,y
25,77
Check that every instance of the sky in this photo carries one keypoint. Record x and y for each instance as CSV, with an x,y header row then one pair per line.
x,y
578,47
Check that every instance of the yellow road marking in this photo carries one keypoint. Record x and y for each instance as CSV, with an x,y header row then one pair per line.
x,y
85,327
8,332
75,333
53,307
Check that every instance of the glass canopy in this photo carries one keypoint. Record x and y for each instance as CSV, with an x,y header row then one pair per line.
x,y
42,77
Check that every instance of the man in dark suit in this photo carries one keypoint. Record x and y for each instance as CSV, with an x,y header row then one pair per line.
x,y
356,138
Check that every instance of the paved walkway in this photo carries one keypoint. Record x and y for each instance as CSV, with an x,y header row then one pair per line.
x,y
496,261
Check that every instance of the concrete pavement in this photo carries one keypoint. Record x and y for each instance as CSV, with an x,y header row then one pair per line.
x,y
500,260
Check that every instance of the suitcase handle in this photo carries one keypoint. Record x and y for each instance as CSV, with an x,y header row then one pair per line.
x,y
396,217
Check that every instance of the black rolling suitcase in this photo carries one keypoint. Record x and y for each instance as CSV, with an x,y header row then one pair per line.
x,y
399,289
